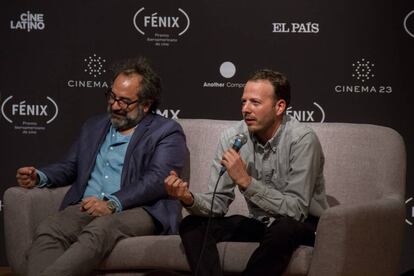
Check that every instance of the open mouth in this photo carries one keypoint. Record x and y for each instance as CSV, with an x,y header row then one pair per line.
x,y
249,121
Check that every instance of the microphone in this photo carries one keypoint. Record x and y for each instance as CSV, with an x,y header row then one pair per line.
x,y
239,140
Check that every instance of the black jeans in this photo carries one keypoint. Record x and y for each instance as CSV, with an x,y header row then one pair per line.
x,y
277,242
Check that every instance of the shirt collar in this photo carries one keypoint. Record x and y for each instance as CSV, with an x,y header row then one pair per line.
x,y
117,137
274,141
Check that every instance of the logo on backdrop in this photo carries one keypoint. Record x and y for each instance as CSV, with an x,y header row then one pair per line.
x,y
313,114
161,28
227,70
29,116
409,23
94,67
169,113
363,70
362,74
295,27
409,203
29,21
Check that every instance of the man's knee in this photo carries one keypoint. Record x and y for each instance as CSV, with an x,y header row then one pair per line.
x,y
105,229
100,228
283,228
286,231
51,231
50,226
67,224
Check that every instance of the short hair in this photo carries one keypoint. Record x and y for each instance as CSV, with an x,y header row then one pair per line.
x,y
279,81
150,92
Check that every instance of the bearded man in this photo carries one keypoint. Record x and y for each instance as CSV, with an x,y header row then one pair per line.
x,y
116,169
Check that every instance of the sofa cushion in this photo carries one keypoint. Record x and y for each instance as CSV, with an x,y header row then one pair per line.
x,y
167,253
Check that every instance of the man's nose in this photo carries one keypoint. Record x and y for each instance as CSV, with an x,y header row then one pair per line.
x,y
246,108
115,105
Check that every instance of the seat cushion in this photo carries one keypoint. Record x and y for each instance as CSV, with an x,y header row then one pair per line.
x,y
167,252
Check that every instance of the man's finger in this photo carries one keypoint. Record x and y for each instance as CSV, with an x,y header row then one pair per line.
x,y
177,182
88,202
182,189
170,179
91,209
26,171
23,175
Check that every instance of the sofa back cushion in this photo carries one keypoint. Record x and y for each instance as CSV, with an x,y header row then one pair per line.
x,y
362,162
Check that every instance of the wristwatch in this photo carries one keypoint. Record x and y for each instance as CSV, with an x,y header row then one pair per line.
x,y
111,206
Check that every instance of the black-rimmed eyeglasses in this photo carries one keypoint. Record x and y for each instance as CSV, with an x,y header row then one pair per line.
x,y
123,103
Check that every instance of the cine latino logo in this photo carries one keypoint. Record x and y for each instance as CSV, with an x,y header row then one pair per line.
x,y
29,21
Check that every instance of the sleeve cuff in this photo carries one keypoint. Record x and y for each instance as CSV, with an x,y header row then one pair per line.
x,y
196,206
117,202
186,205
253,189
43,180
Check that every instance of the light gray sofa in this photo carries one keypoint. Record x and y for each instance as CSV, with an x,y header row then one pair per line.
x,y
361,234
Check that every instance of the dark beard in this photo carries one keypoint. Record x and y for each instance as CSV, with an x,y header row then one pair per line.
x,y
121,120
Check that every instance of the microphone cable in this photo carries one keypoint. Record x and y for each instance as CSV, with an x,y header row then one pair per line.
x,y
210,215
240,140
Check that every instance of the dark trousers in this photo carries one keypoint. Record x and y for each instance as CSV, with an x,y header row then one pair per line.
x,y
277,242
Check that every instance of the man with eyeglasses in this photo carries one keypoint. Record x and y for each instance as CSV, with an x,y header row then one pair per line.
x,y
116,168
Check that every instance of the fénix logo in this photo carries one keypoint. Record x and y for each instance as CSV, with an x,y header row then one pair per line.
x,y
169,113
11,109
143,22
94,66
29,116
227,70
29,21
362,73
296,27
409,23
314,114
160,27
409,203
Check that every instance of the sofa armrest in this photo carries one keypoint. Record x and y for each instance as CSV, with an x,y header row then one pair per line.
x,y
361,239
24,209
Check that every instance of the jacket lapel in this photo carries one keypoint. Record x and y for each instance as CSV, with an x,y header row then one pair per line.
x,y
139,132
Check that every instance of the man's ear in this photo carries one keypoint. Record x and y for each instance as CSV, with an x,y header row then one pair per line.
x,y
147,106
280,107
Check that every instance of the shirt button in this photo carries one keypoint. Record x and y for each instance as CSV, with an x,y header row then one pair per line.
x,y
111,148
106,177
107,164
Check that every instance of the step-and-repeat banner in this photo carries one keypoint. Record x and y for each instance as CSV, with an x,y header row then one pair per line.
x,y
348,61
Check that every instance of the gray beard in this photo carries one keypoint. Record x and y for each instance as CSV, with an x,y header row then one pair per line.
x,y
127,121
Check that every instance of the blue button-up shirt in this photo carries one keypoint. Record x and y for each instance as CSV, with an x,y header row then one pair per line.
x,y
105,178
